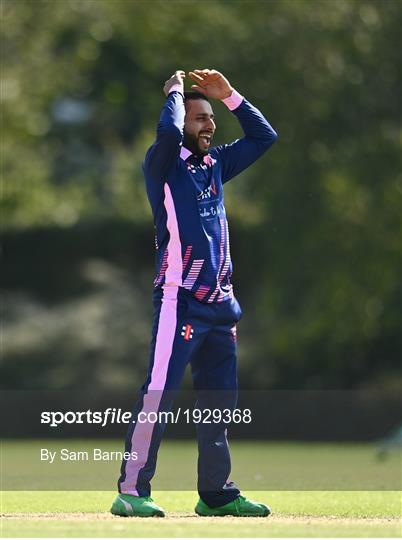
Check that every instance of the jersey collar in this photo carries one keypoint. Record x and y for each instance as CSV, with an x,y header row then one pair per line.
x,y
185,154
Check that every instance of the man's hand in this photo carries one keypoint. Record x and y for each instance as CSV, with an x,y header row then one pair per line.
x,y
211,83
176,79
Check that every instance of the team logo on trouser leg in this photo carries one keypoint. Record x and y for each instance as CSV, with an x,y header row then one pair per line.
x,y
187,332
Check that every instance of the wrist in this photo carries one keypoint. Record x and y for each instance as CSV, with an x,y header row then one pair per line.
x,y
177,88
233,101
228,93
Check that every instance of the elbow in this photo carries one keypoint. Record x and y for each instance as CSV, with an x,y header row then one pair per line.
x,y
270,138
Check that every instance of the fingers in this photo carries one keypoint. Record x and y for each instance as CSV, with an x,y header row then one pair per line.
x,y
204,75
177,78
207,72
196,77
179,74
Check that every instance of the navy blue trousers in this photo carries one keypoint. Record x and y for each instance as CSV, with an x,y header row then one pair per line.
x,y
186,331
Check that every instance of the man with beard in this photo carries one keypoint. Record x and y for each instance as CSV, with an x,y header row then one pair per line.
x,y
195,311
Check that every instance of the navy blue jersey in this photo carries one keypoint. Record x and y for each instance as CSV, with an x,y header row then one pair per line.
x,y
186,196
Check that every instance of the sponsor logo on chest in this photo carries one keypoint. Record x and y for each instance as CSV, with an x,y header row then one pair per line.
x,y
207,192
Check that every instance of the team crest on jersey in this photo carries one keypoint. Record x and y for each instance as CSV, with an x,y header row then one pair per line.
x,y
187,332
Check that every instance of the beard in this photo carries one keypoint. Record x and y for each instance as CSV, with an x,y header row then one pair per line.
x,y
192,143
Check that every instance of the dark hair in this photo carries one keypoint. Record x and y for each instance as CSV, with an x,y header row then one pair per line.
x,y
194,95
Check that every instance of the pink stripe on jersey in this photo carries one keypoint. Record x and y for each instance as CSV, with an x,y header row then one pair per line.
x,y
212,297
201,292
222,247
187,256
221,260
142,433
193,273
224,264
173,276
162,270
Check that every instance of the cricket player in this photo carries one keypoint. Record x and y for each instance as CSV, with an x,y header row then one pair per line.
x,y
195,311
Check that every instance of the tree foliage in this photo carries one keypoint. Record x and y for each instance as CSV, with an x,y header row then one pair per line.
x,y
317,221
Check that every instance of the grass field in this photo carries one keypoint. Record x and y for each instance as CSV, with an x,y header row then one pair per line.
x,y
296,514
301,512
256,466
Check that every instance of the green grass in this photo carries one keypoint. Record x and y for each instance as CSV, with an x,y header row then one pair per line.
x,y
343,504
297,514
301,482
257,465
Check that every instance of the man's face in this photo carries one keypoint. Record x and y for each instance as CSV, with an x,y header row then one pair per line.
x,y
199,126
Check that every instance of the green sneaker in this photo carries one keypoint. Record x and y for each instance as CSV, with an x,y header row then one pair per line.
x,y
241,507
131,506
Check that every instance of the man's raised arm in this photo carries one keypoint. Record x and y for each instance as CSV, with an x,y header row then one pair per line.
x,y
258,133
166,149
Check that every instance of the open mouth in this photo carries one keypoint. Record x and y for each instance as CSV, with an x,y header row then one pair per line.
x,y
205,138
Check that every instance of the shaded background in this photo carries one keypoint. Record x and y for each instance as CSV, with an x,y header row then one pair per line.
x,y
316,224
